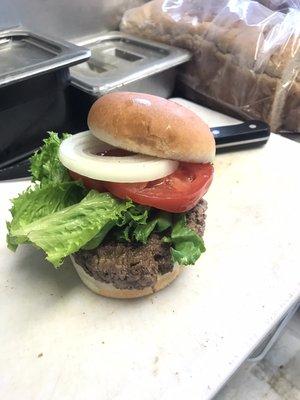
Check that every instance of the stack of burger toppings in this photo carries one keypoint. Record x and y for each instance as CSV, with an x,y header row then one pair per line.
x,y
123,199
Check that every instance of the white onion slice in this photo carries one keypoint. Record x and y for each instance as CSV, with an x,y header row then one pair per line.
x,y
78,153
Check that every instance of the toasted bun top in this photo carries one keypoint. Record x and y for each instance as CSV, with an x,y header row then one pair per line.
x,y
151,125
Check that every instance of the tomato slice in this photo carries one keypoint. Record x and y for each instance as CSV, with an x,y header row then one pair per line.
x,y
89,183
178,192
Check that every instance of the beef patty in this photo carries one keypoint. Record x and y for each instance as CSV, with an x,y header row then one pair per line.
x,y
134,265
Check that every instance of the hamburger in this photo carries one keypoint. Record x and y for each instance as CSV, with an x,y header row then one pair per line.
x,y
125,199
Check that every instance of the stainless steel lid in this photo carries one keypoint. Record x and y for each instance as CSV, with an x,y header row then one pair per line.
x,y
24,54
119,59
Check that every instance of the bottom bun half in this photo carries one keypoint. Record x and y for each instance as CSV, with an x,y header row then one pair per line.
x,y
108,290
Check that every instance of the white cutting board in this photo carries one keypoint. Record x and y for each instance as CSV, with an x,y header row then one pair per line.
x,y
211,117
61,341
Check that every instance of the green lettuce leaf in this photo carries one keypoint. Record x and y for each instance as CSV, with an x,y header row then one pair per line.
x,y
66,231
133,217
37,202
98,238
45,165
135,214
160,223
136,225
187,245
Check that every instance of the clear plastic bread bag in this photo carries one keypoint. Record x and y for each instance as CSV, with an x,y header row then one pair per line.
x,y
246,57
280,5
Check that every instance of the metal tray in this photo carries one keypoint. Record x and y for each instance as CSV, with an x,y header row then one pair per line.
x,y
34,78
124,62
24,54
